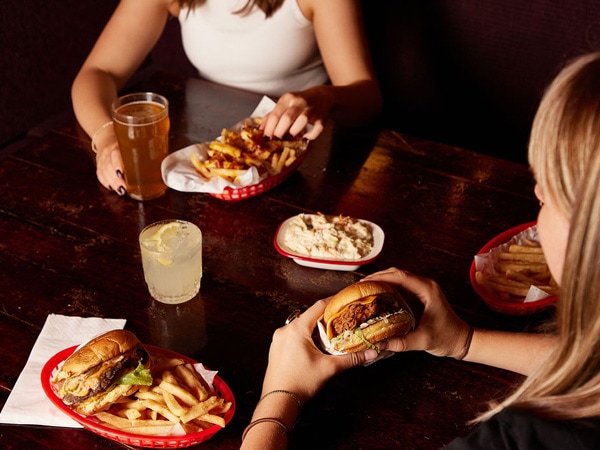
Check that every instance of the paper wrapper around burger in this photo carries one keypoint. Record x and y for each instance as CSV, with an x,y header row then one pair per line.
x,y
486,263
327,346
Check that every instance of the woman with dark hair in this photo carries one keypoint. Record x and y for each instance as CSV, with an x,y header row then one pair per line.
x,y
310,54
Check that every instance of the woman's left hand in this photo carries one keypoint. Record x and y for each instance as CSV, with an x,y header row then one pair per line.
x,y
294,111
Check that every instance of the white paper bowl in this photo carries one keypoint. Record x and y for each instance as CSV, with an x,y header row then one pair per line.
x,y
330,264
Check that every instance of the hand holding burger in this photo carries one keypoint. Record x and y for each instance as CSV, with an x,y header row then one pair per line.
x,y
102,371
365,313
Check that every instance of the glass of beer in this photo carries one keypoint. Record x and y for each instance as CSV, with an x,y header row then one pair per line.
x,y
172,260
141,123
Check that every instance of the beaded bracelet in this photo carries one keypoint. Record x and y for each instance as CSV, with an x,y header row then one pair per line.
x,y
263,420
97,133
467,343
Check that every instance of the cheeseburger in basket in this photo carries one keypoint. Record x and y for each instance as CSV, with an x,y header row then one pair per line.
x,y
363,314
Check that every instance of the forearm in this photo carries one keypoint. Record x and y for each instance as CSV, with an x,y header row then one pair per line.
x,y
92,94
260,435
518,352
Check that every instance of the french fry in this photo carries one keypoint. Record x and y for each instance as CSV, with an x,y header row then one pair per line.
x,y
516,248
179,392
520,266
524,257
120,422
149,430
173,404
244,149
199,409
187,374
178,396
212,419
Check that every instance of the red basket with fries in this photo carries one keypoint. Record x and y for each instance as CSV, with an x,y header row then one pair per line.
x,y
131,437
230,194
491,297
238,164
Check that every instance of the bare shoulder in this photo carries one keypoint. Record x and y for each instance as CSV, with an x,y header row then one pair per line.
x,y
310,7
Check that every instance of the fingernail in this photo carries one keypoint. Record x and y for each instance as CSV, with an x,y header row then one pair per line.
x,y
122,190
370,355
119,173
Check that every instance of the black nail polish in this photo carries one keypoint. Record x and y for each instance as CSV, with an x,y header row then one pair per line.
x,y
119,174
110,188
122,190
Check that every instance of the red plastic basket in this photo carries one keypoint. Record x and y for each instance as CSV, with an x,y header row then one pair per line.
x,y
230,194
138,440
505,307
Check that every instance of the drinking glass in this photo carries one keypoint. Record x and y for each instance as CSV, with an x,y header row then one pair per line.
x,y
172,260
141,123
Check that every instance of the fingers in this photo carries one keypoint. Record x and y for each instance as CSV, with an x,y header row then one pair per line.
x,y
109,170
292,114
315,131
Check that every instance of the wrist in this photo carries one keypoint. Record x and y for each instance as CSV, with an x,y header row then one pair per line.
x,y
464,350
274,418
104,137
280,404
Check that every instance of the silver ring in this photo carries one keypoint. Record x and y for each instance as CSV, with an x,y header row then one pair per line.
x,y
292,316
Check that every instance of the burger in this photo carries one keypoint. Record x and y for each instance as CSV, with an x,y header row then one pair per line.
x,y
365,313
102,371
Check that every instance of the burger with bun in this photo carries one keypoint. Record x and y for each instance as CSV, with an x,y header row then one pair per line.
x,y
365,313
102,371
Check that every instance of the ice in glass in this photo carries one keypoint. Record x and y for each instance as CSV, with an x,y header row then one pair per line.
x,y
172,260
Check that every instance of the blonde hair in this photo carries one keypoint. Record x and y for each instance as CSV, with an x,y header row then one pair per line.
x,y
269,7
564,154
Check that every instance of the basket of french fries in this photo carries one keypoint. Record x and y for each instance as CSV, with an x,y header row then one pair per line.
x,y
185,405
240,163
511,275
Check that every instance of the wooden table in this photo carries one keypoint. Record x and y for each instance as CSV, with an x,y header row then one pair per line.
x,y
70,247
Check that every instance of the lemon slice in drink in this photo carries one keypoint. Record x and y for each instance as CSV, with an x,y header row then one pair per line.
x,y
167,239
168,236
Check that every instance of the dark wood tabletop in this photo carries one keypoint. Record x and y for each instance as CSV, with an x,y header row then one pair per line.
x,y
70,247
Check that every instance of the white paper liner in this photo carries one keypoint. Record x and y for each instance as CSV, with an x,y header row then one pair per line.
x,y
327,347
179,173
486,263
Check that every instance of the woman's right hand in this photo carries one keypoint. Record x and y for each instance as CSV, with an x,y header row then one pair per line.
x,y
109,168
440,331
295,362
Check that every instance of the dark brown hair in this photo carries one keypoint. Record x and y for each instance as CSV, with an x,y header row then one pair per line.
x,y
267,6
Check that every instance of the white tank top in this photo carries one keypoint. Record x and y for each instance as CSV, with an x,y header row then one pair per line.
x,y
269,56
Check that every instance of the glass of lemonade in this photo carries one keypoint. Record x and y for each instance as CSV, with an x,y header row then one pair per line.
x,y
141,123
172,260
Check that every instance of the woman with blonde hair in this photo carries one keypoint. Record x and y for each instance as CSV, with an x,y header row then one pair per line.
x,y
311,55
558,404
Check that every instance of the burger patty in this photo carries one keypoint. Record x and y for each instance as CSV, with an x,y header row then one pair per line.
x,y
356,313
105,380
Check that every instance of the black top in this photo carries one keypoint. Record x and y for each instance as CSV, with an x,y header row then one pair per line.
x,y
515,429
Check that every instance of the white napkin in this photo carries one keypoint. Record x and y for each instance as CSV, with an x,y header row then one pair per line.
x,y
27,403
178,172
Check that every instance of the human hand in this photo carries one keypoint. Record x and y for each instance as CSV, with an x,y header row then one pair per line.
x,y
295,110
109,168
440,331
297,365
